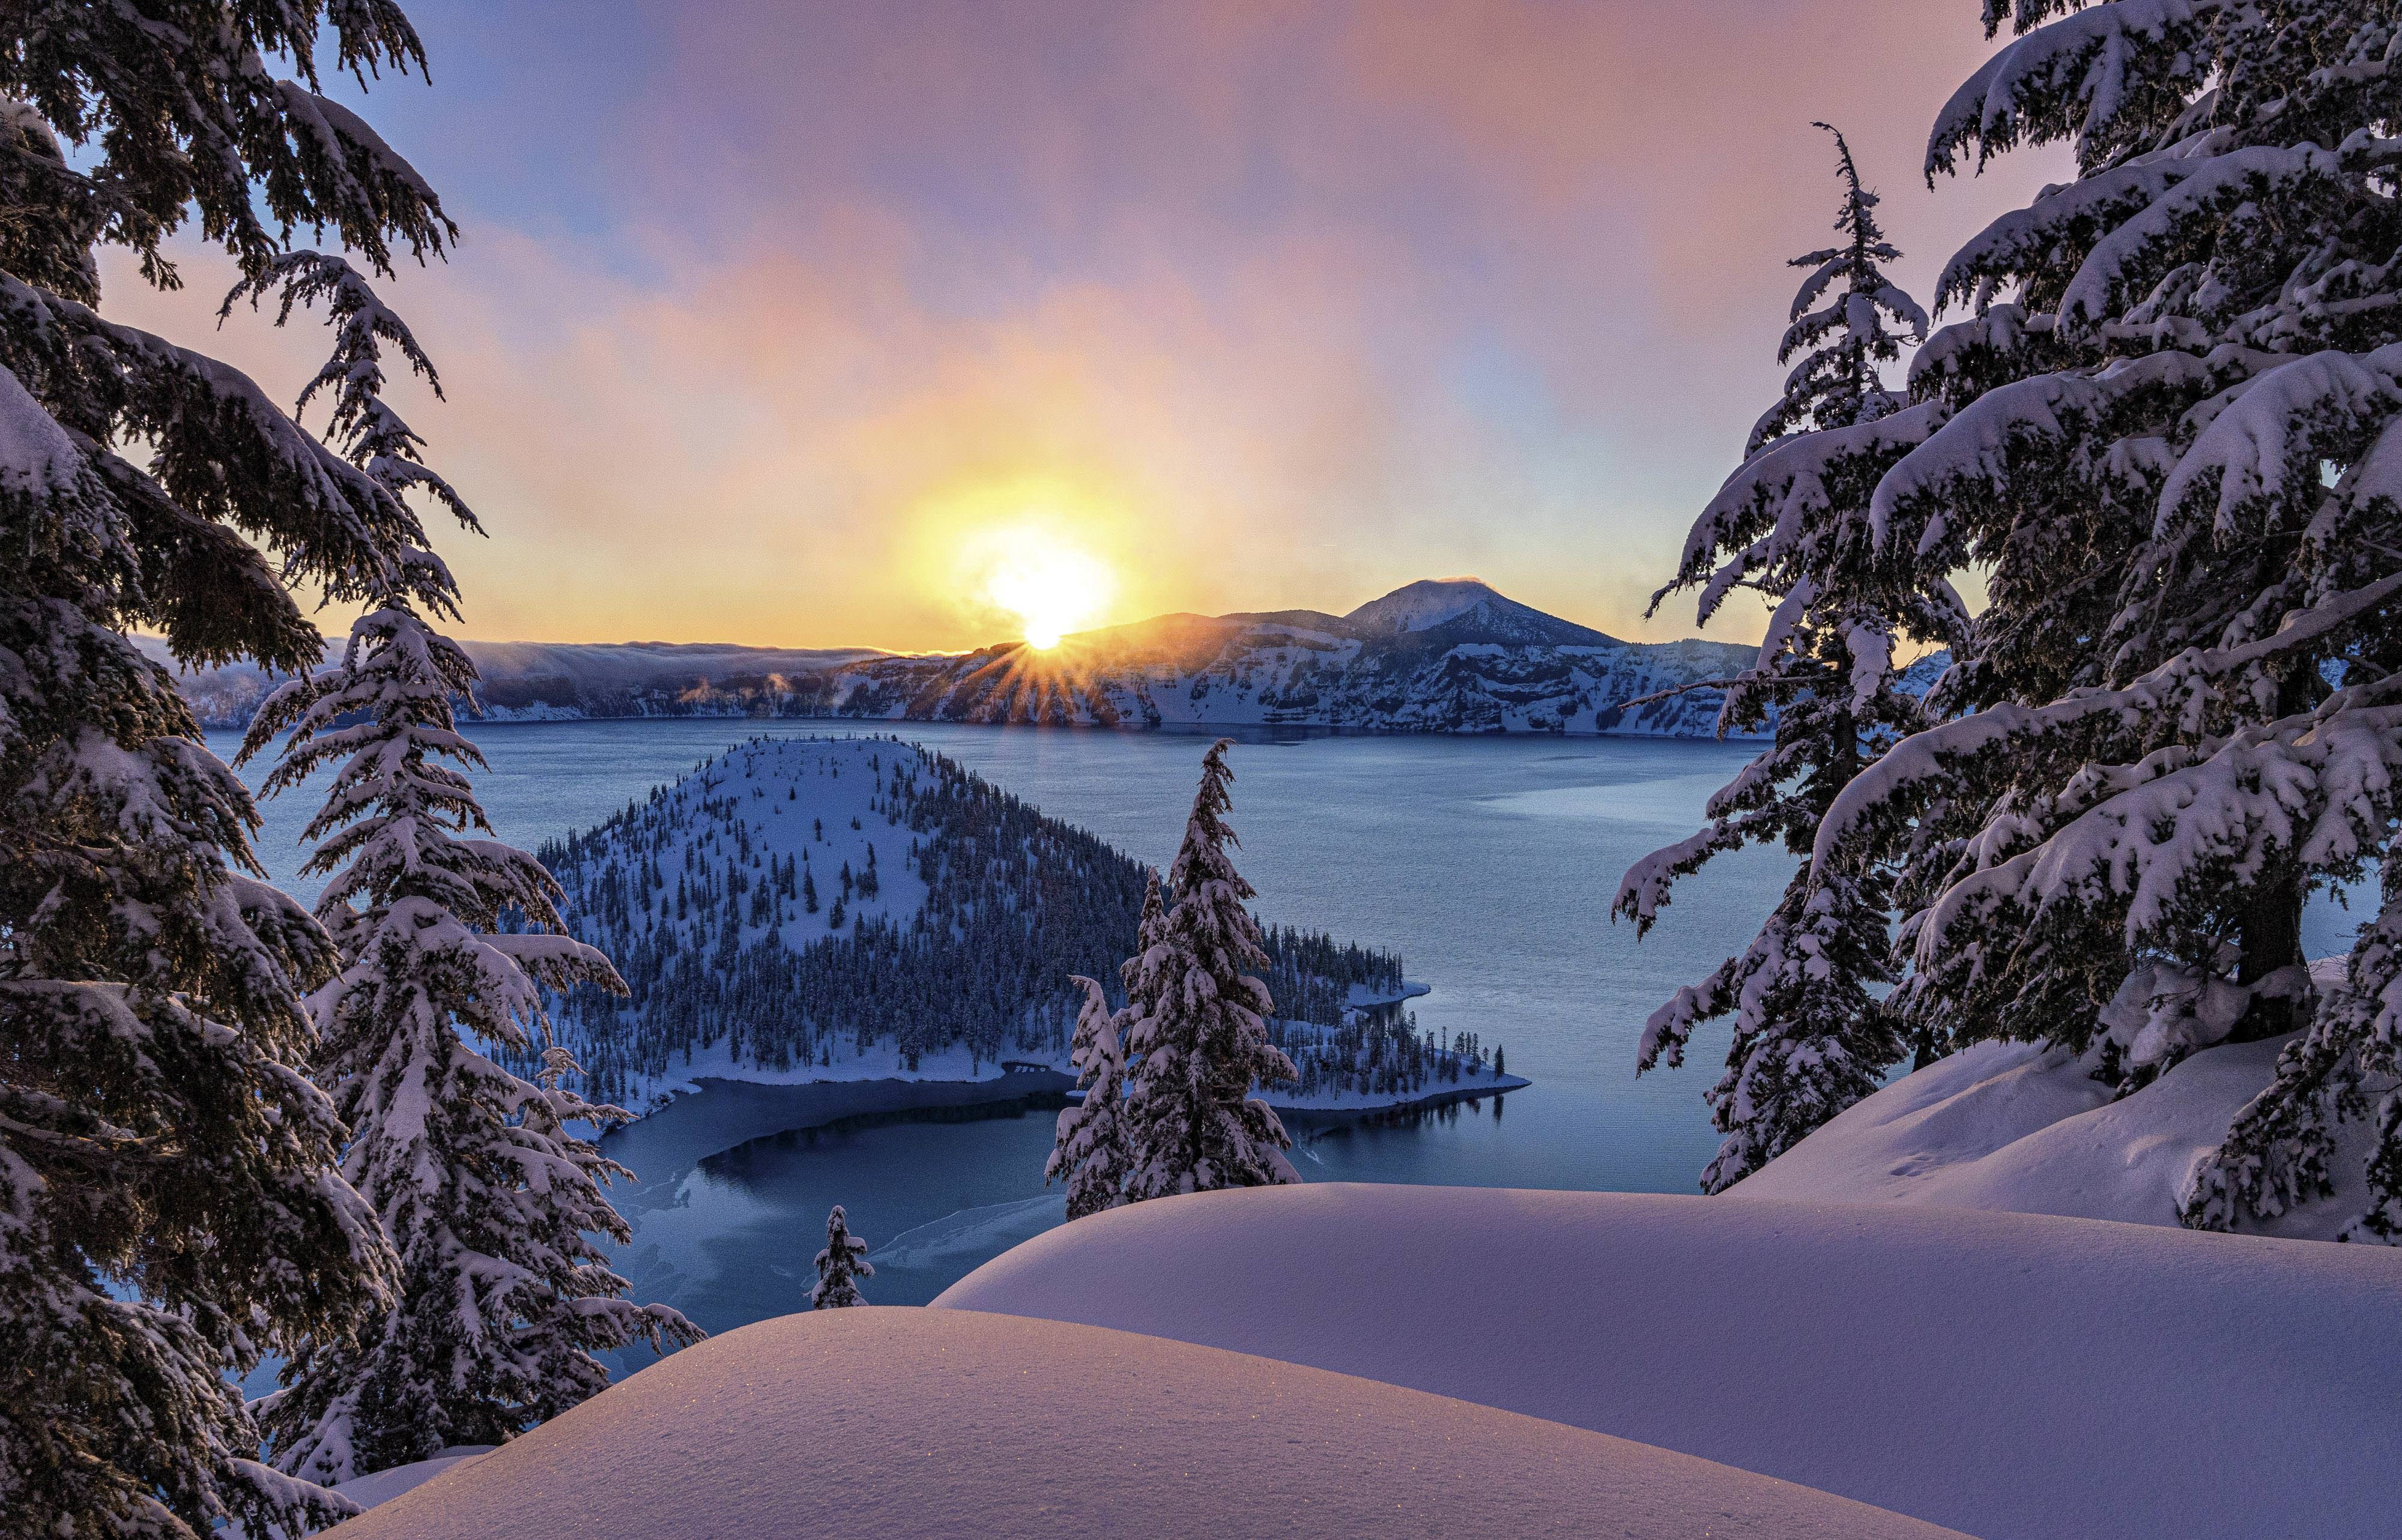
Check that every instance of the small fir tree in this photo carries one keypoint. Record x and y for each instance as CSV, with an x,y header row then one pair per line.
x,y
1198,1040
1846,342
486,1197
1812,1035
1090,1153
840,1266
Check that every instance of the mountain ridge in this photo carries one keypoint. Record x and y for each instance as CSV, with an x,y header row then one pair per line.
x,y
1440,655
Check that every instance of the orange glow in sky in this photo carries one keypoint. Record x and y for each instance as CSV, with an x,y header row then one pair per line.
x,y
929,326
1036,556
1050,587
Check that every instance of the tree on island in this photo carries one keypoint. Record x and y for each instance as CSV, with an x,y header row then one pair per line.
x,y
1197,1036
2169,430
1812,1034
840,1266
488,1200
1090,1151
170,1209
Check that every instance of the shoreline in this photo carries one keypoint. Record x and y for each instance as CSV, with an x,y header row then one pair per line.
x,y
721,1113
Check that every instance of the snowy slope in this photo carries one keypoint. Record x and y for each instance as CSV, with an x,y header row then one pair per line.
x,y
379,1487
1423,605
2018,1126
2018,1376
910,1423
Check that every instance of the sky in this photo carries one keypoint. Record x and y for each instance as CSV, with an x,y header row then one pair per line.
x,y
802,325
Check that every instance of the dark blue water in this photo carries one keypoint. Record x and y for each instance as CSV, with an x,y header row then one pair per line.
x,y
1488,863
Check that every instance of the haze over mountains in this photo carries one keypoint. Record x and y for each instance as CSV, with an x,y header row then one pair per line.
x,y
1449,655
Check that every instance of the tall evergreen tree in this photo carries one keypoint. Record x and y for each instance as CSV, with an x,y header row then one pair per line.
x,y
1090,1154
490,1199
1812,1035
840,1266
169,1205
2168,432
1198,1038
487,1198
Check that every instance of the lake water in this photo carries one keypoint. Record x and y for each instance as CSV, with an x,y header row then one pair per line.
x,y
1488,863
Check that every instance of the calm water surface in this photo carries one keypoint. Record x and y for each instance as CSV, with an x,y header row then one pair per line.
x,y
1487,863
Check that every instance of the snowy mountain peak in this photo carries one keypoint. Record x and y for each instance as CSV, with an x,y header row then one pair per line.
x,y
1423,605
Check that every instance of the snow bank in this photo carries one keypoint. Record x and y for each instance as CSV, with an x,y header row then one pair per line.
x,y
2022,1127
917,1424
2015,1376
379,1487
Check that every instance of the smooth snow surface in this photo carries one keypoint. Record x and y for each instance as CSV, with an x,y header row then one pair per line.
x,y
2022,1127
911,1423
379,1487
2018,1376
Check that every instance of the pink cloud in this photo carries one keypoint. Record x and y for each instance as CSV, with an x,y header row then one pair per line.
x,y
1229,269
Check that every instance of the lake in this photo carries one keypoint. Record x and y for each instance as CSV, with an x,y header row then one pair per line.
x,y
1487,863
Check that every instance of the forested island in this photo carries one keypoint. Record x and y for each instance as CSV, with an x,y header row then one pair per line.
x,y
803,908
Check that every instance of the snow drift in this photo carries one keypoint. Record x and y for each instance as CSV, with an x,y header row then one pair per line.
x,y
915,1422
2014,1376
2024,1127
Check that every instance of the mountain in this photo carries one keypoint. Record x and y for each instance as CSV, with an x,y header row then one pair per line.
x,y
1442,601
1449,655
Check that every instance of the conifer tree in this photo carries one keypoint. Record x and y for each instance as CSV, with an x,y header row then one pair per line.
x,y
488,1200
2167,429
1199,1039
1090,1153
169,1204
1812,1035
840,1266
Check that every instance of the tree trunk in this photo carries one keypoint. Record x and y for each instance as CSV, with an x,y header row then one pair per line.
x,y
2272,939
2271,917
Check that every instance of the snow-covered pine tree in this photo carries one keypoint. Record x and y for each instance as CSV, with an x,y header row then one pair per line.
x,y
1811,1034
1090,1154
489,1199
169,1203
1197,1039
2169,434
840,1266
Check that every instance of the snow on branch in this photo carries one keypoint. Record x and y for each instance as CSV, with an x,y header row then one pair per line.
x,y
2262,441
2074,79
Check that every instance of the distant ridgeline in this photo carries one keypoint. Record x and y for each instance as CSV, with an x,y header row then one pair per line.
x,y
1434,657
802,903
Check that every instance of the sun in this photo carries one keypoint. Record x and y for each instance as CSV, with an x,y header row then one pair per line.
x,y
1046,552
1052,587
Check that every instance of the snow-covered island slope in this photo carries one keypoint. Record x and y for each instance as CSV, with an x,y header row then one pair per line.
x,y
804,910
2017,1377
1449,657
909,1423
